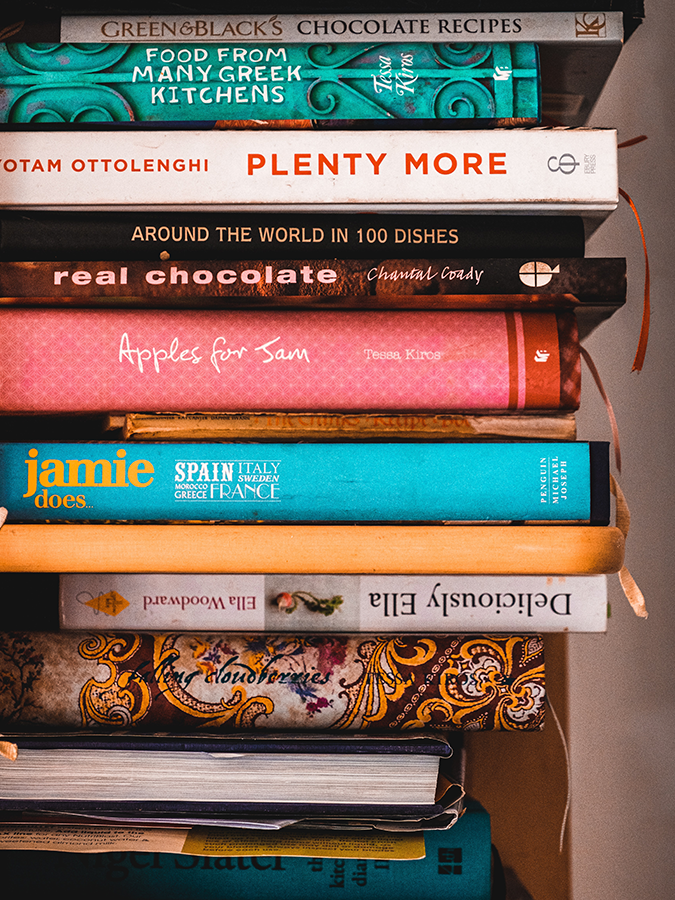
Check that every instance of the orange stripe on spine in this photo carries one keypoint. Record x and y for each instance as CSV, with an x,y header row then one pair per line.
x,y
513,359
542,361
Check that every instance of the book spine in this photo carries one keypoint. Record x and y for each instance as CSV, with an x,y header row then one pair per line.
x,y
36,235
335,603
225,681
541,27
299,84
277,426
134,361
349,283
429,25
311,482
566,170
405,549
463,853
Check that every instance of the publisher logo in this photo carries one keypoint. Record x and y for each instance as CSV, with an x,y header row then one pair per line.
x,y
565,163
449,860
590,25
541,356
537,274
502,73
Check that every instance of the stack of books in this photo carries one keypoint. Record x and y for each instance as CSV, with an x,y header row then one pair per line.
x,y
322,323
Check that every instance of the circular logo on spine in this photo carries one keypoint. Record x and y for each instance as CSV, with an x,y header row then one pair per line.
x,y
537,274
565,164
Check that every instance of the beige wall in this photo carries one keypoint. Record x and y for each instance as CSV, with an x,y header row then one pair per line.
x,y
622,685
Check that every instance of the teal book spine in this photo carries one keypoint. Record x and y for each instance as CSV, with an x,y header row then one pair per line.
x,y
456,867
402,482
309,85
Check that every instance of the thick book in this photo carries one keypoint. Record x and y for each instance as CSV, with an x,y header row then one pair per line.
x,y
402,549
456,865
557,170
577,48
213,777
335,603
37,235
60,361
594,288
298,85
278,426
307,482
179,682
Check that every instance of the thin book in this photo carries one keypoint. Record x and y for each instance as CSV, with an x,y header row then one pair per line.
x,y
332,603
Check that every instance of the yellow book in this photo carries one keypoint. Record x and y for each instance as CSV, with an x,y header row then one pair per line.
x,y
361,549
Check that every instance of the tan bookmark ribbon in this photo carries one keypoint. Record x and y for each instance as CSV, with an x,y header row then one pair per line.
x,y
568,769
633,593
586,356
638,362
632,141
8,32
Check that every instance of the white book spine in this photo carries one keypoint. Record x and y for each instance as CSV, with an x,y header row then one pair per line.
x,y
542,27
554,170
334,603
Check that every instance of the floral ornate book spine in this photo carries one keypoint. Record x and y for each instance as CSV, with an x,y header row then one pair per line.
x,y
179,682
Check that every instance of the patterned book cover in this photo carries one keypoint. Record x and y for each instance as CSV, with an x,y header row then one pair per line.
x,y
300,84
306,482
138,361
179,682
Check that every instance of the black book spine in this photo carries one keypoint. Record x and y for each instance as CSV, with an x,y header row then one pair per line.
x,y
600,483
55,236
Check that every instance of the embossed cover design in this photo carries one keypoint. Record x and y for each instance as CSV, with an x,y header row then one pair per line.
x,y
446,83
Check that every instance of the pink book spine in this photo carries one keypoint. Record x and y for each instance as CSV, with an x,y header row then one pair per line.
x,y
59,361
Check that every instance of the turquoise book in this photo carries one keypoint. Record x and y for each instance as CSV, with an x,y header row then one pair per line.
x,y
303,85
328,483
456,866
